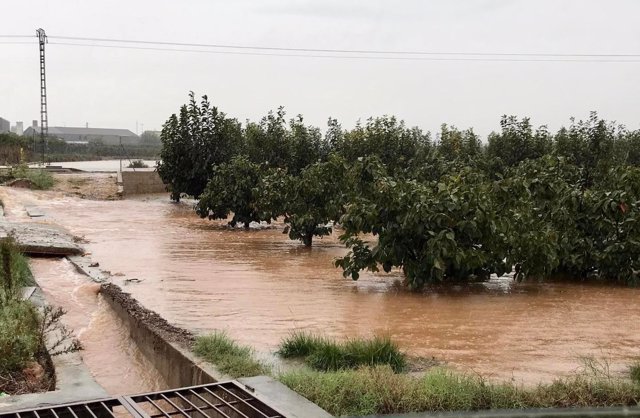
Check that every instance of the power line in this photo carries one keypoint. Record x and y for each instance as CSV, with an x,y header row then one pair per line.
x,y
357,57
342,51
16,36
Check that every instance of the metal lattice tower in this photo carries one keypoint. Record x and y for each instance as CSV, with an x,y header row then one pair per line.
x,y
44,121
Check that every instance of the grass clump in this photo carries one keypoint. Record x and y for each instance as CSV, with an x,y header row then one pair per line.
x,y
137,164
40,179
325,355
634,372
300,344
228,356
379,390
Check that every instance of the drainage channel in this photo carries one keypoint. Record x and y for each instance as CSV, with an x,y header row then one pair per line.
x,y
112,357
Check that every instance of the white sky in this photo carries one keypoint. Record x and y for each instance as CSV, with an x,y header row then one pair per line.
x,y
115,88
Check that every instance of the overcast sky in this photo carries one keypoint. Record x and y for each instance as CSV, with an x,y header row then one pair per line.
x,y
114,88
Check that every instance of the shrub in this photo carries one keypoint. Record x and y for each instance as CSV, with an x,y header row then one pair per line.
x,y
228,356
137,164
19,340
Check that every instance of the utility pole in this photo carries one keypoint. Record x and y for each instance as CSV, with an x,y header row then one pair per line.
x,y
44,121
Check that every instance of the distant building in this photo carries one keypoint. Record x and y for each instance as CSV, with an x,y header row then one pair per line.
x,y
5,125
89,135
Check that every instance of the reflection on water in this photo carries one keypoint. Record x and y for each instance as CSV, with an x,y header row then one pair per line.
x,y
112,357
259,286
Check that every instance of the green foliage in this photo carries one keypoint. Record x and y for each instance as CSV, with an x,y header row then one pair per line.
x,y
458,145
40,178
19,340
300,344
228,356
379,390
26,333
634,372
232,189
19,322
518,142
445,231
386,138
538,203
308,202
137,164
324,355
193,143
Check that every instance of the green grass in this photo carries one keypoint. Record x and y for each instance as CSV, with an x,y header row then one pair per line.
x,y
634,372
379,390
40,179
228,356
300,344
326,355
19,322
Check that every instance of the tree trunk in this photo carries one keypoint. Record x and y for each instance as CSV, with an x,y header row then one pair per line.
x,y
307,239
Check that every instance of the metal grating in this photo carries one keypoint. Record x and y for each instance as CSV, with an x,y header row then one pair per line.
x,y
217,400
103,408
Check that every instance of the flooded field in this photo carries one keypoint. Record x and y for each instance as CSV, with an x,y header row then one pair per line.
x,y
259,286
112,357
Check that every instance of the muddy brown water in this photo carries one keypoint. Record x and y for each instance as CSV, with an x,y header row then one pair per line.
x,y
112,357
259,286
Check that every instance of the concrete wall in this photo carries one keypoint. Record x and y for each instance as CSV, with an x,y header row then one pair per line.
x,y
141,181
173,359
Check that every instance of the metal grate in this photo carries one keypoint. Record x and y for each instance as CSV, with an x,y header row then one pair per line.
x,y
103,408
217,400
220,400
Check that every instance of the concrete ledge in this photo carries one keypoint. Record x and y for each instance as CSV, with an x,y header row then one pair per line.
x,y
281,398
41,239
166,346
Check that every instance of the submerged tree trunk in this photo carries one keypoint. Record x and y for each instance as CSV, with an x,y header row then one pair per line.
x,y
307,239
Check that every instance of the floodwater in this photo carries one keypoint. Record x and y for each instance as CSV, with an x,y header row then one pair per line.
x,y
259,286
98,165
112,357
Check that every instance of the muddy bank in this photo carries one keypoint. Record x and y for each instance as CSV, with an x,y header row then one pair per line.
x,y
96,186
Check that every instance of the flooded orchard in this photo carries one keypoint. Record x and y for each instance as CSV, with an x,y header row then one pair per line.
x,y
113,358
259,286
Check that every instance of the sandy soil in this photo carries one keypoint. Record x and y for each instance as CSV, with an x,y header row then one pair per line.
x,y
94,186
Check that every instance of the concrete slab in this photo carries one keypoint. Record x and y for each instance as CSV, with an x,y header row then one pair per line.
x,y
281,398
86,266
41,239
27,292
34,211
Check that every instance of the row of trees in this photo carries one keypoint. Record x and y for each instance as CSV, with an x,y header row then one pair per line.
x,y
450,209
14,147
